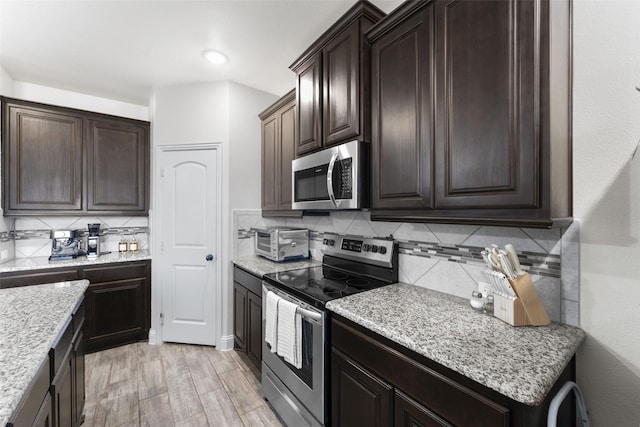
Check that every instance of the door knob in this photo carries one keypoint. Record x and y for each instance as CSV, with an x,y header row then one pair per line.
x,y
209,257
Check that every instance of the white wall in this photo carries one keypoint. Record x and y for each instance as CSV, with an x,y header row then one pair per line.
x,y
226,113
65,98
607,201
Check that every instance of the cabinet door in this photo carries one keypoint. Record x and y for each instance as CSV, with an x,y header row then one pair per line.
x,y
409,413
117,166
79,395
341,79
287,153
42,153
240,317
270,143
44,417
62,387
308,96
488,142
254,329
115,313
358,398
402,114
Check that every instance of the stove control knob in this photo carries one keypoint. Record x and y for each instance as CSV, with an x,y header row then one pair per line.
x,y
325,241
366,247
331,242
383,250
374,248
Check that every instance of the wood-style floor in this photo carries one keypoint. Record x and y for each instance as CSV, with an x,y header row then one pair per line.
x,y
172,385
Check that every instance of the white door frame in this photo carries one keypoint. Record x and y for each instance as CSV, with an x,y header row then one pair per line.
x,y
155,334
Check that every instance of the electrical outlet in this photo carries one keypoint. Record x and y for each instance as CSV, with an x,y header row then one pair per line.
x,y
4,255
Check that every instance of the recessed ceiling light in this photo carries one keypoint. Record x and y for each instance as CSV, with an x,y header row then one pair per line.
x,y
215,57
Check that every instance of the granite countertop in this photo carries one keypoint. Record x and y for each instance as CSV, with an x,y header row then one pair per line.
x,y
38,263
31,318
261,266
521,363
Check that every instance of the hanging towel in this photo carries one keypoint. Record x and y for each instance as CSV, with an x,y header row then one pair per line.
x,y
271,323
289,333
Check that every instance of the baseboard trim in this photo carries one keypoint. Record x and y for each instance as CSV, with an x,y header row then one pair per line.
x,y
225,343
153,337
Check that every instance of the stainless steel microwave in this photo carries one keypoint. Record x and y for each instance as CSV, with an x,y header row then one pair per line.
x,y
334,178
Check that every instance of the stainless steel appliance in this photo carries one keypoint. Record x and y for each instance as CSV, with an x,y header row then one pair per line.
x,y
350,265
65,244
282,244
93,241
334,178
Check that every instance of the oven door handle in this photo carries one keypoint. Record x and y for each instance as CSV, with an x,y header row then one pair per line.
x,y
332,163
302,311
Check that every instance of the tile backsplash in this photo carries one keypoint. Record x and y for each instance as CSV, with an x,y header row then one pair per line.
x,y
447,257
31,234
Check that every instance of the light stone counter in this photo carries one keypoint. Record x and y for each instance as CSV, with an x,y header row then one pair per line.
x,y
521,363
31,318
38,263
261,266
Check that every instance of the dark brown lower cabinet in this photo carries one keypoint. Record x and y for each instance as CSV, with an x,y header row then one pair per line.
x,y
118,304
247,318
377,382
358,396
62,388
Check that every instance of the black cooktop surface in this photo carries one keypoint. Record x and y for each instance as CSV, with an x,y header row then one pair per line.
x,y
317,285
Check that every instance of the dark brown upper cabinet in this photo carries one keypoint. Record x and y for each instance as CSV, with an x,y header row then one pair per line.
x,y
42,159
117,156
467,125
62,161
332,80
278,150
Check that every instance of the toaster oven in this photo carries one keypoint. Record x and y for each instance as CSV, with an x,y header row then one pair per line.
x,y
282,244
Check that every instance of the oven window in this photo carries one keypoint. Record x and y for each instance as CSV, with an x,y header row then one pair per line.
x,y
311,184
306,372
263,241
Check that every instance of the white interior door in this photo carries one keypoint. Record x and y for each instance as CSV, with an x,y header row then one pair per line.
x,y
188,233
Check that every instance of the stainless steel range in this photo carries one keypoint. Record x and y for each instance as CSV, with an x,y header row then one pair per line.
x,y
350,264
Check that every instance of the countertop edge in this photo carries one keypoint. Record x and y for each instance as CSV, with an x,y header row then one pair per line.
x,y
43,263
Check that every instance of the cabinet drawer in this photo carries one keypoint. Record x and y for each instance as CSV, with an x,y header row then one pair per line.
x,y
115,272
454,402
61,347
12,280
33,400
78,320
248,280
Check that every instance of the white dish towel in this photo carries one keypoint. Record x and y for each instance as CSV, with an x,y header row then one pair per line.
x,y
271,321
289,333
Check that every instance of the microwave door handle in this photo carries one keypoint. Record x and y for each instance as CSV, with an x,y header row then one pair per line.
x,y
332,163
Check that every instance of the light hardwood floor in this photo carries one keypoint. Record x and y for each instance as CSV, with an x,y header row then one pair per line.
x,y
172,385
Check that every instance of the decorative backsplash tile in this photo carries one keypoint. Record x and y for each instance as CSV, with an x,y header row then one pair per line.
x,y
447,257
31,235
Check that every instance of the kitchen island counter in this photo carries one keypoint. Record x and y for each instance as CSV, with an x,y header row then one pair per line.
x,y
31,318
43,263
521,363
260,266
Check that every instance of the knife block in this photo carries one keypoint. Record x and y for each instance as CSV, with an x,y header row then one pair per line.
x,y
526,309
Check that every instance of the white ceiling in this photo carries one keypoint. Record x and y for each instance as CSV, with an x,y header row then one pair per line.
x,y
122,49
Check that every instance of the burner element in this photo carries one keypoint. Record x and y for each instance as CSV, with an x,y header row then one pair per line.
x,y
358,283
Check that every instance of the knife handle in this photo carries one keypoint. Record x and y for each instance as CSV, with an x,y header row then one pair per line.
x,y
513,257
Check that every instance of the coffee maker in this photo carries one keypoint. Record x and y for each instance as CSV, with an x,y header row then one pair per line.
x,y
93,241
65,244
